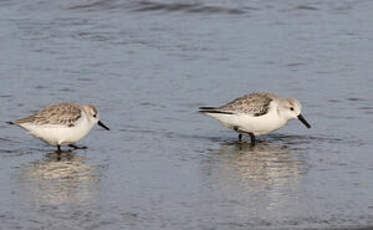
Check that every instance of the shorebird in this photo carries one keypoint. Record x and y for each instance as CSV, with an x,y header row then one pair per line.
x,y
256,114
61,124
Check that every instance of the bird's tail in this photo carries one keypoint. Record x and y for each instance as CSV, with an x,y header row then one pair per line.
x,y
207,108
212,110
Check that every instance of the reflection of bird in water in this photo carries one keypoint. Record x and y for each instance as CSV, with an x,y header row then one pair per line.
x,y
263,164
59,179
254,178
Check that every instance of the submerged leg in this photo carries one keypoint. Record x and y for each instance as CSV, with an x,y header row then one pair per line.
x,y
77,147
235,128
59,149
252,138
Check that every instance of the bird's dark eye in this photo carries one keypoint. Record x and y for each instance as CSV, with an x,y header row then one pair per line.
x,y
94,115
291,108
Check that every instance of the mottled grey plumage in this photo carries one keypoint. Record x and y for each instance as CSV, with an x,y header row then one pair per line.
x,y
59,114
256,104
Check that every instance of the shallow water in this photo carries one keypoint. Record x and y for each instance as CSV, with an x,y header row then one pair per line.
x,y
148,66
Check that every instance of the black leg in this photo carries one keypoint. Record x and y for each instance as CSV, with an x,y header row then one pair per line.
x,y
59,149
235,128
77,147
252,138
240,137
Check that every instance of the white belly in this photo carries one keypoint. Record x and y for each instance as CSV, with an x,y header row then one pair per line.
x,y
245,123
59,135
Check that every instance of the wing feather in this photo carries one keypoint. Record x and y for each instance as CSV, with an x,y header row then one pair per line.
x,y
63,113
255,104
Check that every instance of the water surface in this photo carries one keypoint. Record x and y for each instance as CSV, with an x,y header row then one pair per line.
x,y
148,66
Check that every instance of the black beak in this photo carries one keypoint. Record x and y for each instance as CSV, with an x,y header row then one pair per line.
x,y
102,125
301,118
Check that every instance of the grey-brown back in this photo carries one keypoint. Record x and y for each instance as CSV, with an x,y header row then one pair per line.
x,y
256,104
63,113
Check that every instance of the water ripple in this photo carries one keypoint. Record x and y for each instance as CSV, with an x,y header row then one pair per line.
x,y
186,7
145,6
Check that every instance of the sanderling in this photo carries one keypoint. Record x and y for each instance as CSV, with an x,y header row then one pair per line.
x,y
256,114
61,124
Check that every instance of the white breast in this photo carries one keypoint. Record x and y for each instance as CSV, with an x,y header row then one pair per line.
x,y
260,125
59,134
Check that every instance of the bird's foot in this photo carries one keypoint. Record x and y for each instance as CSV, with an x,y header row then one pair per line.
x,y
77,147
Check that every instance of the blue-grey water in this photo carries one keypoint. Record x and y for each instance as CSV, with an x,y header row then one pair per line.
x,y
148,66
